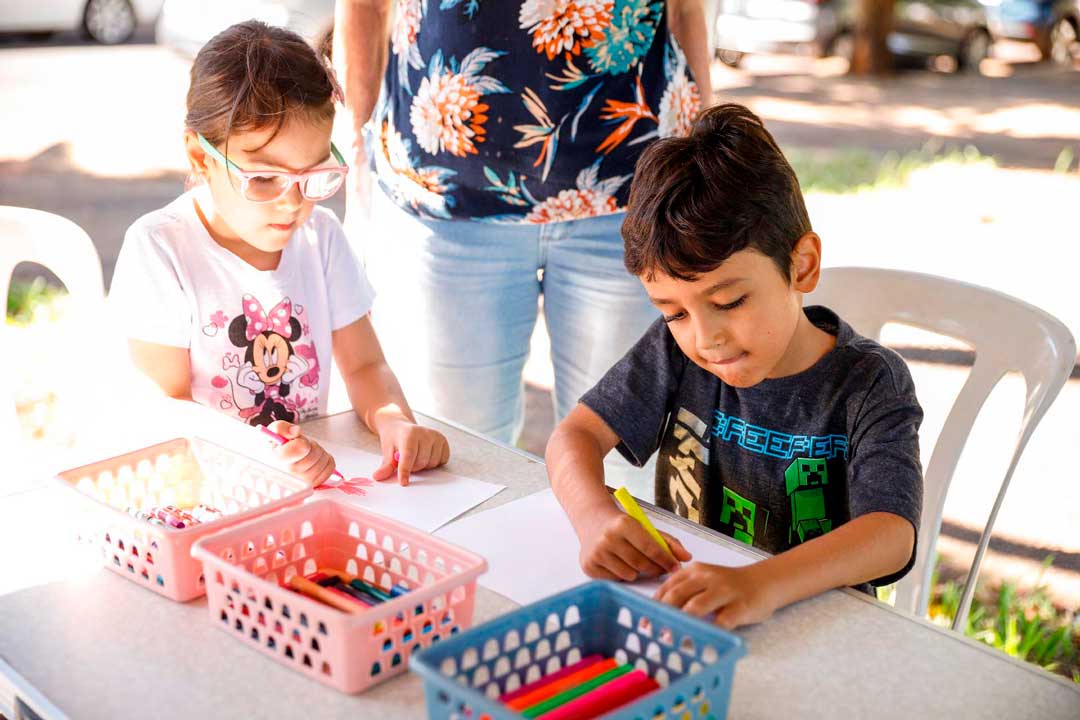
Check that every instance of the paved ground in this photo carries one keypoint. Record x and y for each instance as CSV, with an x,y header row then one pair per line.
x,y
1023,118
93,133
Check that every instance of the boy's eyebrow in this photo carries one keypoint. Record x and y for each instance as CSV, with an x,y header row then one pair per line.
x,y
717,287
723,284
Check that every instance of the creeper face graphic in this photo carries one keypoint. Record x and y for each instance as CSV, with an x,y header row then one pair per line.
x,y
805,481
738,513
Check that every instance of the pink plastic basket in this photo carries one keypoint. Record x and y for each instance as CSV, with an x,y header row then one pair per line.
x,y
177,472
246,565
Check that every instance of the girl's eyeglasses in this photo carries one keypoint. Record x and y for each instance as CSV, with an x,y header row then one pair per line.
x,y
264,186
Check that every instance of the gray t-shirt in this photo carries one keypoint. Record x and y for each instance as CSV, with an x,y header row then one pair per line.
x,y
783,461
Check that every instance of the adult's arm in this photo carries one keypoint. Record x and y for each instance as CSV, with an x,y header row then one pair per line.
x,y
686,21
359,51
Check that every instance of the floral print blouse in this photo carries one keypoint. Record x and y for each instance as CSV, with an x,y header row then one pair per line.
x,y
534,111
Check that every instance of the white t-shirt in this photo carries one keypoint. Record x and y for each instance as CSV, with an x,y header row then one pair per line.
x,y
259,340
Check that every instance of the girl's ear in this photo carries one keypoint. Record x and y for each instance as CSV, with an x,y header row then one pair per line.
x,y
197,159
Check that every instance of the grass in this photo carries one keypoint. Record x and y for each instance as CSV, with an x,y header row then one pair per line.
x,y
32,309
1024,624
842,172
850,171
1065,160
29,301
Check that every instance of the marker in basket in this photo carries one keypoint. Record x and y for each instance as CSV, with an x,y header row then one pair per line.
x,y
281,440
607,697
553,677
329,596
575,692
561,685
359,585
634,510
337,584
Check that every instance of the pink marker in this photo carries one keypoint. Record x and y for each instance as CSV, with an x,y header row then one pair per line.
x,y
281,440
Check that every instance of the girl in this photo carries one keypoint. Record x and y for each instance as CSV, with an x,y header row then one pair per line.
x,y
234,294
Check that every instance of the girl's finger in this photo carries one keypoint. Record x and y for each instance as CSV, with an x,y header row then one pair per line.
x,y
284,428
386,470
424,451
406,460
294,450
322,471
310,461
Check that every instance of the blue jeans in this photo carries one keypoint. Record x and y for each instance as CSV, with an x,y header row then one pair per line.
x,y
457,303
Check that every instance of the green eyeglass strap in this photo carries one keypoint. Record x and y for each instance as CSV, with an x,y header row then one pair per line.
x,y
216,154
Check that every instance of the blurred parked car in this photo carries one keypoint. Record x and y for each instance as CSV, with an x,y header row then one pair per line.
x,y
921,29
107,21
186,25
1053,25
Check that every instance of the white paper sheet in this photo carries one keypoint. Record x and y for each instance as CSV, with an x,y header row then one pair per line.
x,y
432,499
532,550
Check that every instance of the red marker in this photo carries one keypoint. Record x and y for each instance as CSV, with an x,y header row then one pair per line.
x,y
281,440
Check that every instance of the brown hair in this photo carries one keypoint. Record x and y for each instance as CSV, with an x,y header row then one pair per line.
x,y
697,200
252,76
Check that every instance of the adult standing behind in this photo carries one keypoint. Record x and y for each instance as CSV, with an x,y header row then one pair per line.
x,y
503,142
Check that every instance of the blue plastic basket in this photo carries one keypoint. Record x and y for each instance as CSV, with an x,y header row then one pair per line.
x,y
693,661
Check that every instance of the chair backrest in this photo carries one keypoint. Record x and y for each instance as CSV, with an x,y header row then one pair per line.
x,y
1008,335
65,249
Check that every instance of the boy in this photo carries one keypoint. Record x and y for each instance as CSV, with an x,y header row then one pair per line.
x,y
778,426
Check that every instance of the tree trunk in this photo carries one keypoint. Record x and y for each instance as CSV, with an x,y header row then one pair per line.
x,y
873,22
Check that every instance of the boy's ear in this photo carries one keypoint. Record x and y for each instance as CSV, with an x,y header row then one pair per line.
x,y
197,159
806,263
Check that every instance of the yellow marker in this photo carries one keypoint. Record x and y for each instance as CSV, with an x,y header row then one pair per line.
x,y
634,510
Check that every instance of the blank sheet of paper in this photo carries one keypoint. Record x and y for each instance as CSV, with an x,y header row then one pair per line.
x,y
532,550
432,498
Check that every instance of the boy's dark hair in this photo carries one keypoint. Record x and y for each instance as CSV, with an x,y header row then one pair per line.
x,y
697,200
253,76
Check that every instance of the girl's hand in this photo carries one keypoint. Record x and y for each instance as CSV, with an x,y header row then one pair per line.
x,y
418,448
302,457
737,596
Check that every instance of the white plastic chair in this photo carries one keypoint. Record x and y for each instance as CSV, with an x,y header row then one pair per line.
x,y
64,248
1008,335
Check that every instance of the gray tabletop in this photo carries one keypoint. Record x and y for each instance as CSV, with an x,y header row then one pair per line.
x,y
99,646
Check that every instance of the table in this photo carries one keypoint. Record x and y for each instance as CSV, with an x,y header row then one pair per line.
x,y
99,646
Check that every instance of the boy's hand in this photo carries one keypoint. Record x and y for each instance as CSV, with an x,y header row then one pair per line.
x,y
615,547
738,596
302,457
418,448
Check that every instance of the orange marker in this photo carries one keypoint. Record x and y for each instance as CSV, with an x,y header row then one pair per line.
x,y
570,681
548,679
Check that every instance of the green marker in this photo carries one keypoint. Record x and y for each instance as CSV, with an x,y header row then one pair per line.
x,y
575,692
378,593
